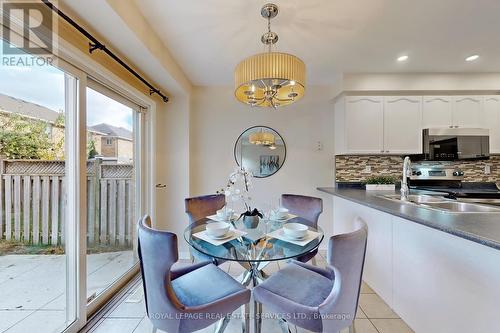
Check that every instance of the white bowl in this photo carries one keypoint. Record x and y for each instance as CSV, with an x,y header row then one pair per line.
x,y
282,212
295,230
217,229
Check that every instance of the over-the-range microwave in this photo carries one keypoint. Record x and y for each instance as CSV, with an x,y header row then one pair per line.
x,y
451,144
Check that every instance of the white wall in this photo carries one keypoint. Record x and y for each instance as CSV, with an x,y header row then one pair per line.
x,y
217,119
488,82
172,165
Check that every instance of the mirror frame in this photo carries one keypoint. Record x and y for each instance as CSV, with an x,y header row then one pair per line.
x,y
261,126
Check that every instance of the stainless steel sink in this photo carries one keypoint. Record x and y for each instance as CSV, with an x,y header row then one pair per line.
x,y
442,204
416,198
462,207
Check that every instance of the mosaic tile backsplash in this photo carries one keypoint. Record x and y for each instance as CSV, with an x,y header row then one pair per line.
x,y
350,168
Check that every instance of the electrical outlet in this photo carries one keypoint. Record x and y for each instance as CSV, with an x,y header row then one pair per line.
x,y
487,169
368,169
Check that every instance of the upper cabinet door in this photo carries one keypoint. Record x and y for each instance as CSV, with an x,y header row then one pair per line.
x,y
467,111
403,125
364,124
491,120
437,111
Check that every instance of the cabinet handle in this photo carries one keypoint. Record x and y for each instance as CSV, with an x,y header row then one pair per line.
x,y
387,151
451,126
381,151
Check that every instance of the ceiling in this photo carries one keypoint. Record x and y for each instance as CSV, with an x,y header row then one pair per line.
x,y
208,38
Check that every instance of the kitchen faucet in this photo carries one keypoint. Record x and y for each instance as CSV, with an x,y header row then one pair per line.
x,y
405,190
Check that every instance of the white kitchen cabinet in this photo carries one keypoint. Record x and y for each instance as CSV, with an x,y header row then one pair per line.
x,y
491,120
467,111
425,275
393,124
403,125
437,111
364,124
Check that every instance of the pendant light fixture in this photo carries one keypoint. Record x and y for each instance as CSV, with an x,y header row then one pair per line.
x,y
262,138
270,79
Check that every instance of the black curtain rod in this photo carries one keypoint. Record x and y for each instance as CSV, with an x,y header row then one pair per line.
x,y
94,44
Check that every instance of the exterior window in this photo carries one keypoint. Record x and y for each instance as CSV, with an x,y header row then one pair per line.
x,y
109,142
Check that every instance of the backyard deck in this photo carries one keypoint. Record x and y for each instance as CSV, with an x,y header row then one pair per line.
x,y
33,288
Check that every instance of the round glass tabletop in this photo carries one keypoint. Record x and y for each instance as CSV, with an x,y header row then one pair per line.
x,y
264,243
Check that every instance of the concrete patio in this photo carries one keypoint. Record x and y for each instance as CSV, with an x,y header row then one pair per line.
x,y
33,288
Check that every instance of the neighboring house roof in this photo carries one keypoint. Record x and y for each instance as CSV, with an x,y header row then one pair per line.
x,y
27,109
113,131
32,110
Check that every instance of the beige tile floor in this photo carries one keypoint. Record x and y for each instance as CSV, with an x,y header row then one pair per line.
x,y
374,316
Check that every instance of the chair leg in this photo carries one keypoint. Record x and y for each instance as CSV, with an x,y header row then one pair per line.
x,y
257,317
313,261
155,329
222,324
284,326
245,278
245,318
352,329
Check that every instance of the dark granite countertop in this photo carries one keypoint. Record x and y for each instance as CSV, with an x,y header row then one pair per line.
x,y
483,228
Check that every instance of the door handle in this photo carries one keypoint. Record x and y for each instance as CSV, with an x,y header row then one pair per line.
x,y
161,186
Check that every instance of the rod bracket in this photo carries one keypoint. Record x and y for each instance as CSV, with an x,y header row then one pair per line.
x,y
156,91
96,46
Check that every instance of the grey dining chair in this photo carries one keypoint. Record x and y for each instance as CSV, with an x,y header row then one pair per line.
x,y
309,208
188,298
327,299
198,208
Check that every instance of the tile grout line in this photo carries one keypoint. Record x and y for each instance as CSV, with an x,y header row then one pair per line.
x,y
371,322
33,312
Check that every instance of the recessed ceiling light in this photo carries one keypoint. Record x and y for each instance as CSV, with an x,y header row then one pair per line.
x,y
403,58
472,57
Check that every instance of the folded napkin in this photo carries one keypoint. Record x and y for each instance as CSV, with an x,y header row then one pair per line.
x,y
204,236
280,234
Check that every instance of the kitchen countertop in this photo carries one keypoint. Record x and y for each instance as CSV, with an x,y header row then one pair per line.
x,y
482,228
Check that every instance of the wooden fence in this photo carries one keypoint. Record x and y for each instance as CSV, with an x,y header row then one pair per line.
x,y
33,201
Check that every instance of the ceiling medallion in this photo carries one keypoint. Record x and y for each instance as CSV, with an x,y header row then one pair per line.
x,y
270,79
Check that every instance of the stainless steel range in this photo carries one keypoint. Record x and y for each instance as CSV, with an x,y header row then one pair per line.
x,y
436,175
449,180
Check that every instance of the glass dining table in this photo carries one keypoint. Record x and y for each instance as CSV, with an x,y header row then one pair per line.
x,y
256,248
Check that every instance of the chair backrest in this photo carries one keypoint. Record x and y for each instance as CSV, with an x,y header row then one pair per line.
x,y
346,253
157,253
306,207
203,206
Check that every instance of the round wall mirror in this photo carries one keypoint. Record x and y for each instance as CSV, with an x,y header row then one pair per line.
x,y
260,150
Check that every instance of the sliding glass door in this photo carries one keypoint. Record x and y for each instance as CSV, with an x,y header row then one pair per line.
x,y
112,195
38,224
72,157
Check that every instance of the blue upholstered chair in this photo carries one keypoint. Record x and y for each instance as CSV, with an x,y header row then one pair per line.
x,y
308,208
189,298
327,299
198,208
